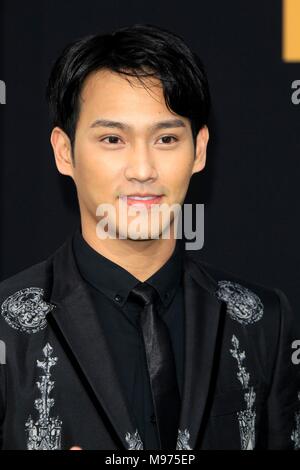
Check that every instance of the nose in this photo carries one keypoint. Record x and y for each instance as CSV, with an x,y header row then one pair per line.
x,y
141,165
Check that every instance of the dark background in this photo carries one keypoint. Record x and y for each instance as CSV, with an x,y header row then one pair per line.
x,y
250,186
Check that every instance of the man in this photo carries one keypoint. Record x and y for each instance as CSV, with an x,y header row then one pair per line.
x,y
131,342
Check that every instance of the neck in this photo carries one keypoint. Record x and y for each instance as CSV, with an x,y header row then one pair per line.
x,y
141,258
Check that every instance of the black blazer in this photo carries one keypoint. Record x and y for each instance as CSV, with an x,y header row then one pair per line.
x,y
59,387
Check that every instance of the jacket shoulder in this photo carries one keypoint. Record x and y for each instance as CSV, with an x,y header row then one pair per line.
x,y
218,274
36,275
241,294
23,304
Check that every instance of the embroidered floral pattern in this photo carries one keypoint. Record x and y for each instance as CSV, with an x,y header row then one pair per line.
x,y
246,418
296,432
134,441
26,310
243,305
45,433
183,440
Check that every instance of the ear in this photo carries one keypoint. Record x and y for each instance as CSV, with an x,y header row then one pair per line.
x,y
201,145
62,151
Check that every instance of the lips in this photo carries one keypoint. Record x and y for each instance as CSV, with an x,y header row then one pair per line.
x,y
142,200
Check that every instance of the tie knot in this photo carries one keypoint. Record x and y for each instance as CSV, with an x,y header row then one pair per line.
x,y
144,293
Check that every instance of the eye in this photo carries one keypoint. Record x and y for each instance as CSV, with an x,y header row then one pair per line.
x,y
113,139
166,139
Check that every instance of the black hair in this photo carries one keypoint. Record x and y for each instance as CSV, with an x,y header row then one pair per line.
x,y
140,50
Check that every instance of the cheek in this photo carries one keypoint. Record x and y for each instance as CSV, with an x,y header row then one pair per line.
x,y
93,177
178,180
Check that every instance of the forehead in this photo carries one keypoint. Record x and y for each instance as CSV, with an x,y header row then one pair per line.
x,y
107,91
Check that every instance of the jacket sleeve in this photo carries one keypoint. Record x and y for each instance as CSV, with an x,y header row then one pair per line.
x,y
283,401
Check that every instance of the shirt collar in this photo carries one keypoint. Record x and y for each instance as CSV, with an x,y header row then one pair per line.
x,y
116,282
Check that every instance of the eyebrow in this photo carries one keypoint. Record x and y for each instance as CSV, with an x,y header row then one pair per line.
x,y
170,123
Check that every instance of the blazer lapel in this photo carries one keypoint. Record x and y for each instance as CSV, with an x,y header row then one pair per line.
x,y
78,326
202,323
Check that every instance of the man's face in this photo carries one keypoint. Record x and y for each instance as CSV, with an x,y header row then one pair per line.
x,y
133,157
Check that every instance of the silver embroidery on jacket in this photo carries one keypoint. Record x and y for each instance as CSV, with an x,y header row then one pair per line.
x,y
26,310
45,433
246,418
243,305
296,432
183,440
134,441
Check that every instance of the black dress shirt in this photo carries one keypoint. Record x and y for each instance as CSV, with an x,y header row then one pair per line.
x,y
109,286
